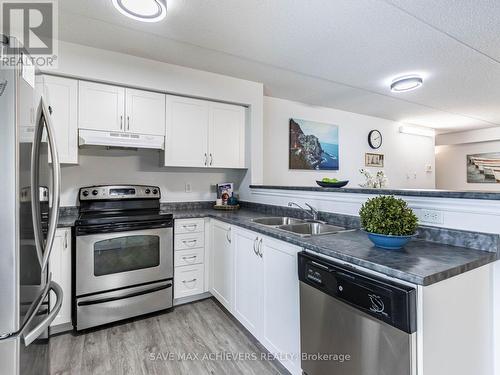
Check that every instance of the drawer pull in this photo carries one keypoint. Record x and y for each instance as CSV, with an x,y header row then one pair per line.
x,y
190,227
190,243
189,281
191,257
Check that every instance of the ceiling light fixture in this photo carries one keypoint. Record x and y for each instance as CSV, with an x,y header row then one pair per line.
x,y
142,10
406,83
413,130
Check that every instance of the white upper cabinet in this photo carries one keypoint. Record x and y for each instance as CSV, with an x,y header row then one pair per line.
x,y
101,107
187,132
227,136
61,95
145,112
201,133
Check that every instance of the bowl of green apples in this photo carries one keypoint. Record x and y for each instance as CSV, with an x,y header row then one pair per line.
x,y
331,183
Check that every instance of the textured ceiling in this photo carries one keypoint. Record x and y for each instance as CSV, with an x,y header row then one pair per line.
x,y
335,53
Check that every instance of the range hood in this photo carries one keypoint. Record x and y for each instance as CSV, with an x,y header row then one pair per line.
x,y
117,139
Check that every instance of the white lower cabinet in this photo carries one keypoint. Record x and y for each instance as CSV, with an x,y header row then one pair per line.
x,y
222,263
60,267
248,281
264,294
188,280
189,259
281,328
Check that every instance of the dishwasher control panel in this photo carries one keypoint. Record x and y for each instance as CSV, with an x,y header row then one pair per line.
x,y
385,300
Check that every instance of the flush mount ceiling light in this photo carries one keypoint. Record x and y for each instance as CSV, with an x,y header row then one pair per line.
x,y
406,83
142,10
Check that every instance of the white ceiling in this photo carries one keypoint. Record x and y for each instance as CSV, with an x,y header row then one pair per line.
x,y
334,53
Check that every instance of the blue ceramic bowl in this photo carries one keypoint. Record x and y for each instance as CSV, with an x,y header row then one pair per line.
x,y
389,242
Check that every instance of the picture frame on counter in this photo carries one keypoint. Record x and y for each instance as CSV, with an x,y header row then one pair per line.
x,y
374,160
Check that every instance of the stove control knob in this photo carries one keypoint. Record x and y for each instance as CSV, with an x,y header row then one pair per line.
x,y
85,193
155,191
94,192
147,191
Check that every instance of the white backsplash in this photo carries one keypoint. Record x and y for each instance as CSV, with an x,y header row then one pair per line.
x,y
99,166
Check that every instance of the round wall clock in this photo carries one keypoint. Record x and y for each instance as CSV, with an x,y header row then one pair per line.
x,y
375,139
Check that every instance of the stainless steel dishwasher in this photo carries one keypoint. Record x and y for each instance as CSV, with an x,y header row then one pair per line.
x,y
353,323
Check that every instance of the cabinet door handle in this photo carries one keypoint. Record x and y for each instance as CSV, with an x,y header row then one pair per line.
x,y
206,159
65,240
121,122
255,246
192,226
211,159
128,122
186,242
259,248
228,235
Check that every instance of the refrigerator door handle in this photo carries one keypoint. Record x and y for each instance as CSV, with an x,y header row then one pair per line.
x,y
43,252
32,335
35,306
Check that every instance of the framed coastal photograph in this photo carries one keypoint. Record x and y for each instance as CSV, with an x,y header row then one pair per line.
x,y
374,160
313,145
483,168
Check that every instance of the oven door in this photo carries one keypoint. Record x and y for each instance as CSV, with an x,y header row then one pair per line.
x,y
110,261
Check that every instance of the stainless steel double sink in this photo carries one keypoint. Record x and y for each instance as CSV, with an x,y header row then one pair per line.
x,y
300,227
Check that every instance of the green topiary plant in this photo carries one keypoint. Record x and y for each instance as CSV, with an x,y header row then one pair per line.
x,y
388,215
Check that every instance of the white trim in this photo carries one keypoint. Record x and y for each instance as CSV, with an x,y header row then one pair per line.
x,y
465,214
477,206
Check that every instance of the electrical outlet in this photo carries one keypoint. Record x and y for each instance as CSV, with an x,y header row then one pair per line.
x,y
430,216
188,187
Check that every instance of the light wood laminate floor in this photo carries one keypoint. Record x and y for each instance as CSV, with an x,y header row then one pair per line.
x,y
191,339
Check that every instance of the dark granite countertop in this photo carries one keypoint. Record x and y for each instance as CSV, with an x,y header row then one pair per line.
x,y
67,219
432,193
421,262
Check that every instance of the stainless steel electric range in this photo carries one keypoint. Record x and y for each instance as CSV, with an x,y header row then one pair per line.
x,y
123,259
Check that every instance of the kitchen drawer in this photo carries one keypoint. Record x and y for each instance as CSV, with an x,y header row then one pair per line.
x,y
189,257
189,226
189,241
188,280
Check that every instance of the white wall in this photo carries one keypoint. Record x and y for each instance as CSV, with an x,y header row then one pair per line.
x,y
451,162
99,166
404,154
79,61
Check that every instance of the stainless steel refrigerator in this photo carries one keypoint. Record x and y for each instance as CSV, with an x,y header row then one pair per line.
x,y
29,204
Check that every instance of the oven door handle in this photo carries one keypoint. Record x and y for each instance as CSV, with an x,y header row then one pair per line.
x,y
135,294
